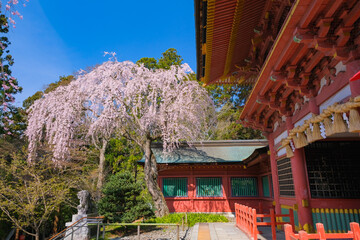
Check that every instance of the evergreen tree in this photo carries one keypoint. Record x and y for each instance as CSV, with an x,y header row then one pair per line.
x,y
169,58
122,200
229,101
8,84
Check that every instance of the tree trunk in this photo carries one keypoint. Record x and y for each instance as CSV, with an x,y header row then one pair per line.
x,y
151,174
37,235
17,234
56,221
101,176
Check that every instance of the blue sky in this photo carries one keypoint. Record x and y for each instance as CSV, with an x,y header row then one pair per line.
x,y
59,37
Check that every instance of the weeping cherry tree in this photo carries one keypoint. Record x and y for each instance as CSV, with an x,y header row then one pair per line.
x,y
123,99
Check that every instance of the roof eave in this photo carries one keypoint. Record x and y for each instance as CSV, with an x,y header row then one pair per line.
x,y
197,33
212,143
256,154
260,82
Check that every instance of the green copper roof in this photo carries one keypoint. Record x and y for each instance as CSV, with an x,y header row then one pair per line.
x,y
209,152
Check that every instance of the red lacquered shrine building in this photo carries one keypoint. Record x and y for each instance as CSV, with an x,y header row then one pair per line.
x,y
299,57
212,176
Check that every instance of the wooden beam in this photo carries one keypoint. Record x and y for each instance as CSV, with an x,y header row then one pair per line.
x,y
291,70
324,26
352,16
313,61
344,35
310,13
287,92
305,78
332,7
300,53
269,113
288,50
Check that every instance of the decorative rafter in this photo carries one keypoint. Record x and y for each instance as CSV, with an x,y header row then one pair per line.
x,y
209,37
234,31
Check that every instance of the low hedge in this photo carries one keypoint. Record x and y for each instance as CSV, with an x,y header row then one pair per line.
x,y
192,218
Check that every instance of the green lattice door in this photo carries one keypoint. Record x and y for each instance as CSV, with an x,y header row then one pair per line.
x,y
208,187
243,187
175,187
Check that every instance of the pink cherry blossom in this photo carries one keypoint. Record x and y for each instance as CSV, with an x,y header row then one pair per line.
x,y
11,8
122,99
5,87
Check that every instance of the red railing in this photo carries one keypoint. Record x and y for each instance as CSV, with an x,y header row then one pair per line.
x,y
320,233
246,220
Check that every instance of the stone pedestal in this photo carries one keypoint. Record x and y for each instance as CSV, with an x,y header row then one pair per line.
x,y
80,230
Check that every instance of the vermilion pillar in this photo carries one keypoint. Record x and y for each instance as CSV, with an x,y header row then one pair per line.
x,y
313,107
227,193
298,169
354,81
192,189
274,173
355,88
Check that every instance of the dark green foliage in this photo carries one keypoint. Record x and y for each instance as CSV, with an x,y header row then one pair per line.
x,y
7,61
150,63
228,127
16,123
123,155
30,100
122,200
8,84
192,218
234,94
5,226
63,81
229,100
10,146
169,58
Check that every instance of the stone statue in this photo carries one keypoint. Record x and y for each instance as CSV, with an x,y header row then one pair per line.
x,y
82,231
83,196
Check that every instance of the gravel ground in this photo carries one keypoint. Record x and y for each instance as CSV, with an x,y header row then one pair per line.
x,y
231,219
160,233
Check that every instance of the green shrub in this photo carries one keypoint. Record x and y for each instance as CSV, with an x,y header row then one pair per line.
x,y
122,201
5,227
192,218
